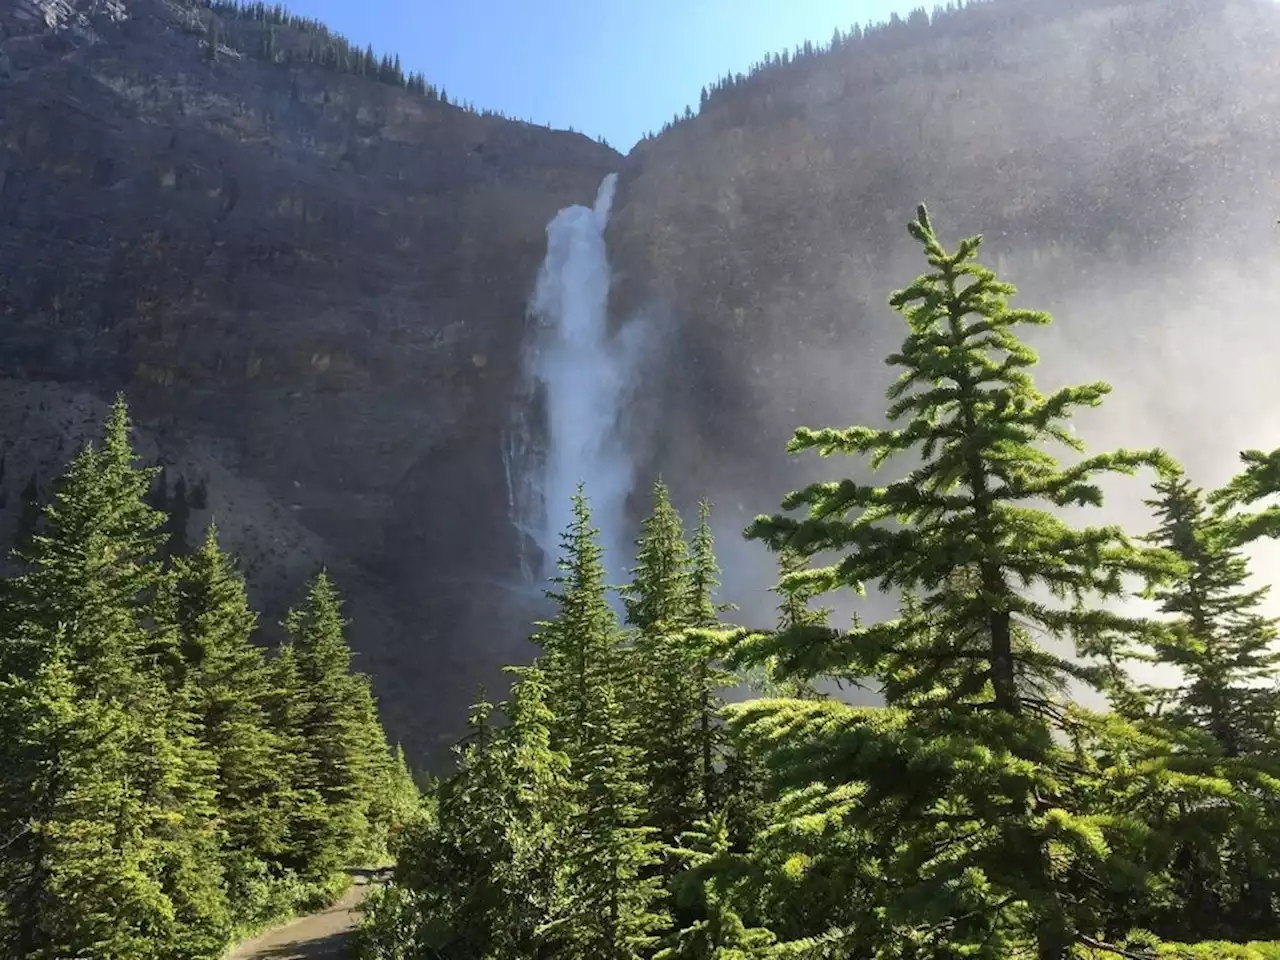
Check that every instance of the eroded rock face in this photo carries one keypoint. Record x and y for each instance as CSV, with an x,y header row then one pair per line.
x,y
1118,156
320,276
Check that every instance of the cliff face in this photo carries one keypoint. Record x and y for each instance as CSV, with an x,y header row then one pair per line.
x,y
312,285
319,278
1113,153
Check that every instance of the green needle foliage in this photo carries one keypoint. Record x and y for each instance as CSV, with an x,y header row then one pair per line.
x,y
980,841
623,811
1218,639
610,890
147,806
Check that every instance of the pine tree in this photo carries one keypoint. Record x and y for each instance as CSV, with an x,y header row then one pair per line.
x,y
1219,640
485,879
609,890
709,678
230,692
664,698
341,763
713,868
989,838
85,607
307,849
73,886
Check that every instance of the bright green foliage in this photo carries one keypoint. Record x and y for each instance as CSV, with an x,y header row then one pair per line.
x,y
231,686
703,653
979,838
146,798
1259,481
400,801
664,688
109,784
485,879
658,598
1218,639
609,892
721,934
346,760
675,690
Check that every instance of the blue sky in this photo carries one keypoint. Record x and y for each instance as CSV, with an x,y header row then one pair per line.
x,y
605,67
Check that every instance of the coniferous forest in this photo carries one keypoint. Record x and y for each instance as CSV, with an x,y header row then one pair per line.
x,y
169,787
165,787
615,807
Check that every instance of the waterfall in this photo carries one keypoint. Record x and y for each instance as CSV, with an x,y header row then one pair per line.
x,y
568,424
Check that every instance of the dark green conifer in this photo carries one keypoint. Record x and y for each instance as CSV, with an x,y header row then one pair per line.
x,y
1218,639
708,884
231,690
87,610
988,834
610,889
663,692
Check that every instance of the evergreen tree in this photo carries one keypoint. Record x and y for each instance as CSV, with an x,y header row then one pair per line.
x,y
485,879
84,608
609,890
308,851
709,678
664,694
343,759
988,840
231,690
720,934
1218,639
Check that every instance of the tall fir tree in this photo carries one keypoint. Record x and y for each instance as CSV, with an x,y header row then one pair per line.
x,y
610,890
86,606
703,653
230,685
960,780
1219,639
344,756
663,691
712,871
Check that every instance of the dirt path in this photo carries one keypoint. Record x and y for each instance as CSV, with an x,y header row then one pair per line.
x,y
320,936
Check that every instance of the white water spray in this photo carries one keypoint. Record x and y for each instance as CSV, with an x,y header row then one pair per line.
x,y
568,426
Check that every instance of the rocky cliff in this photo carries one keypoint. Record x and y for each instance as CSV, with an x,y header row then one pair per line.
x,y
313,284
1118,155
304,280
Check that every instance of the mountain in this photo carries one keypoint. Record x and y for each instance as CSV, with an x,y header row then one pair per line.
x,y
310,277
1117,155
312,281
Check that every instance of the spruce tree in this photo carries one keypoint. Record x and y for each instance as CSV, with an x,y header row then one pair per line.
x,y
485,880
1257,483
712,871
342,757
86,612
664,697
1218,639
307,849
959,780
709,678
609,891
230,692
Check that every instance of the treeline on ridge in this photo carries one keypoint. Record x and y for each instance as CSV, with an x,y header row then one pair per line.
x,y
615,807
